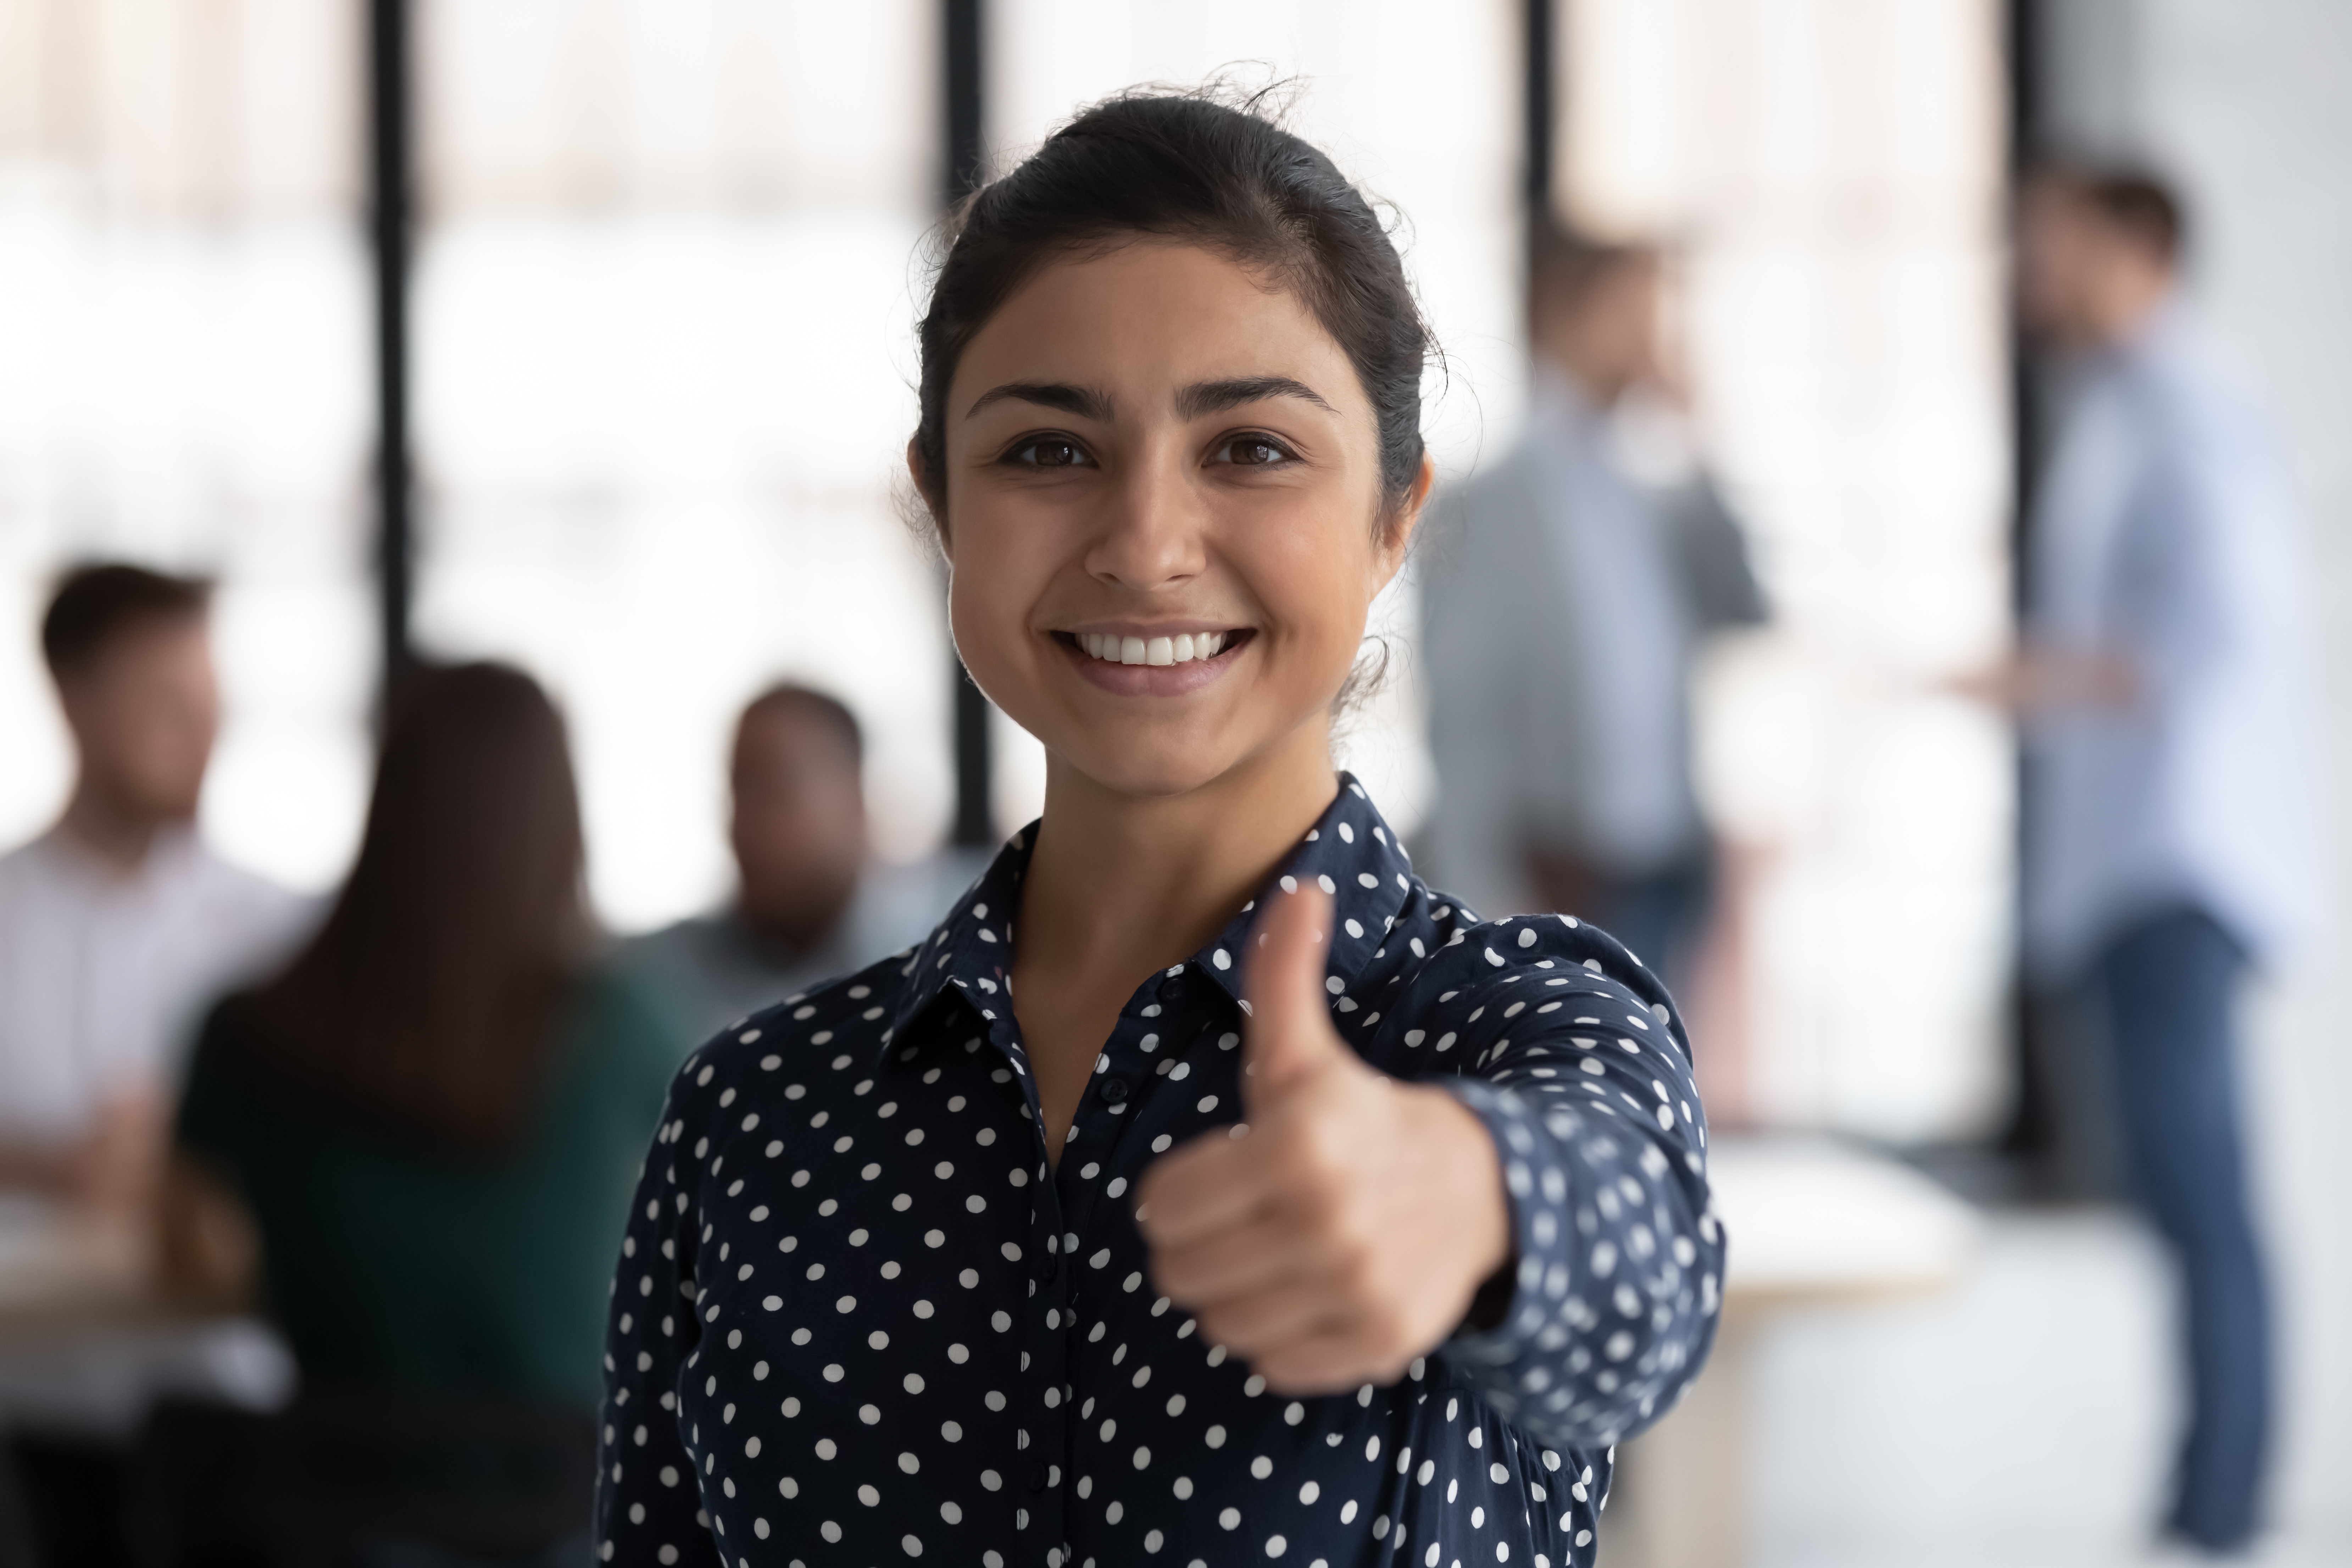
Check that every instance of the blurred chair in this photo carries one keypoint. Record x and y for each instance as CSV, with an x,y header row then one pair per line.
x,y
368,1478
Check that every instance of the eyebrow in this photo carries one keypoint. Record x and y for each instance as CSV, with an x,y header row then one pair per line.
x,y
1085,402
1194,402
1205,397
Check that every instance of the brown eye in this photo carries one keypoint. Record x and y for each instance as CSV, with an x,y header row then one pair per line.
x,y
1052,452
1254,452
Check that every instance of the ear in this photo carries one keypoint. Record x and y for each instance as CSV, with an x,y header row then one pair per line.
x,y
931,503
1396,537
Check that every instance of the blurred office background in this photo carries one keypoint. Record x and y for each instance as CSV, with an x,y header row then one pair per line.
x,y
662,264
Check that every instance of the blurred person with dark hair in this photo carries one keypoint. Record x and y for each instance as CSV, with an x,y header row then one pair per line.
x,y
1563,604
435,1114
810,901
119,926
2170,808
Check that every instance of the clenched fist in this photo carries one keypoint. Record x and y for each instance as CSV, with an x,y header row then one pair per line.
x,y
1344,1227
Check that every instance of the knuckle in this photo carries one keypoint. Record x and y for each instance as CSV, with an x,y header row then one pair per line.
x,y
1355,1271
1326,1148
1386,1331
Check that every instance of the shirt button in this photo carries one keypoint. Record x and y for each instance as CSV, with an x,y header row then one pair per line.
x,y
1113,1092
1053,1265
1037,1477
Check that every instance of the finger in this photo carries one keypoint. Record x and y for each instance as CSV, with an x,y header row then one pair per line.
x,y
1212,1184
1282,1317
1337,1362
1260,1256
1291,1039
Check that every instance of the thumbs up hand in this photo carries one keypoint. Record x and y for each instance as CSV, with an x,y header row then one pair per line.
x,y
1344,1228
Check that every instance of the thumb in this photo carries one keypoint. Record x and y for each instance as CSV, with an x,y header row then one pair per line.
x,y
1290,1036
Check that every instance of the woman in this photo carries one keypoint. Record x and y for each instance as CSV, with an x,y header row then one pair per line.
x,y
434,1114
969,1255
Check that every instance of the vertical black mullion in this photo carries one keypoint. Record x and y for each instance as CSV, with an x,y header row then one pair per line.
x,y
961,83
1537,45
2027,129
2032,1133
389,214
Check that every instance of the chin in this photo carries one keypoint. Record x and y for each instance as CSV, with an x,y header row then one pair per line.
x,y
1148,771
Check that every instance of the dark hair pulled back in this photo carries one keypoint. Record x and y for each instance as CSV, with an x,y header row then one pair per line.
x,y
1189,168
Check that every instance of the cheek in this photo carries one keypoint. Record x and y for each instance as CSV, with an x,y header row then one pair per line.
x,y
997,572
1315,584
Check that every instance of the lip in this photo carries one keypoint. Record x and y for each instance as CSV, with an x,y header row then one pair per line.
x,y
1152,680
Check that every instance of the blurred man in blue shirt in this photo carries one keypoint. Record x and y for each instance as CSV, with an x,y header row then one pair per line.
x,y
2171,806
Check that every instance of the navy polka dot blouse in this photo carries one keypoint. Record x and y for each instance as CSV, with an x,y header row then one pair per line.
x,y
860,1318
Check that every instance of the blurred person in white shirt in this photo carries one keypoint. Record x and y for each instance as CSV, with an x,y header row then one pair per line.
x,y
119,926
811,903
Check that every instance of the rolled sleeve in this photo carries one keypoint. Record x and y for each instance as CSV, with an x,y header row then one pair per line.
x,y
1617,1286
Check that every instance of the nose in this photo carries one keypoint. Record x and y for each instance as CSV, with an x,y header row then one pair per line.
x,y
1153,532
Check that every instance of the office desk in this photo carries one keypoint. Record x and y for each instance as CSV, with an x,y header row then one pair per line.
x,y
1813,1222
88,1342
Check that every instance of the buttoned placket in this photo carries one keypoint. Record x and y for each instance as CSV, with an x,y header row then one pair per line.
x,y
1040,1468
1200,1000
1144,1035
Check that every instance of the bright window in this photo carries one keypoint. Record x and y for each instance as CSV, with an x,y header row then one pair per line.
x,y
1834,172
665,295
184,382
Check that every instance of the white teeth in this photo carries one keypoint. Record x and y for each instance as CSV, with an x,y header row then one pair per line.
x,y
1183,648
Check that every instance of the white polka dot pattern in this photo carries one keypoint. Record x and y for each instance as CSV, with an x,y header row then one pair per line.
x,y
860,1316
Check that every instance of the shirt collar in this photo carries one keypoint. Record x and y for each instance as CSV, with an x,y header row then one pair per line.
x,y
175,850
1350,850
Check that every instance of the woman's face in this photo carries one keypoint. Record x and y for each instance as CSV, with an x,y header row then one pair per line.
x,y
1149,454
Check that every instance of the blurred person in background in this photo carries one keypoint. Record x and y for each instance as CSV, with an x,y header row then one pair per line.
x,y
810,902
118,925
435,1115
2170,808
1563,601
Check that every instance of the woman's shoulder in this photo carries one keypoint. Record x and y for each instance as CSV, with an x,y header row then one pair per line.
x,y
1459,976
832,1022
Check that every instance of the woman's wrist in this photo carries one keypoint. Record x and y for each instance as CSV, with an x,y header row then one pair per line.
x,y
1467,1164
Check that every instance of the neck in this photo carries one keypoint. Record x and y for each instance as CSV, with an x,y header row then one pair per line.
x,y
109,828
2123,310
1120,885
1599,387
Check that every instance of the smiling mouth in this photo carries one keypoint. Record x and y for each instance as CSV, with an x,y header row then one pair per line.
x,y
1185,647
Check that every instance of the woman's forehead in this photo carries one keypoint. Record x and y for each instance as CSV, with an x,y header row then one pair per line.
x,y
1147,319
